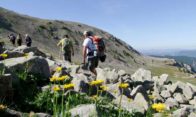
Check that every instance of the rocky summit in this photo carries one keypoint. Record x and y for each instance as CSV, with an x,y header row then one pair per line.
x,y
38,85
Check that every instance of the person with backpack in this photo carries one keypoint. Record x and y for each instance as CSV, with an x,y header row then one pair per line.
x,y
67,48
28,40
100,46
19,39
90,52
12,39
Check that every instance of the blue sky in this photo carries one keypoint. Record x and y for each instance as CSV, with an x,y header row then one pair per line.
x,y
144,24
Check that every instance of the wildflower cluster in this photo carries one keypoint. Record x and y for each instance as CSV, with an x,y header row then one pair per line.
x,y
123,85
68,86
3,55
96,82
159,107
62,78
58,69
2,107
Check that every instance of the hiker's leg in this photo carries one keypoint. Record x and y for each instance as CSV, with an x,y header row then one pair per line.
x,y
69,57
91,66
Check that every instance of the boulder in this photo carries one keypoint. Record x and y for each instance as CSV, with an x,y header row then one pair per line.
x,y
184,112
121,73
163,79
13,54
84,111
141,101
42,115
141,75
81,83
31,64
176,87
188,92
193,101
165,94
192,115
107,76
180,98
25,49
129,105
171,102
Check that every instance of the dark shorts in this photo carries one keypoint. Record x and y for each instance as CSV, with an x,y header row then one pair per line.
x,y
92,63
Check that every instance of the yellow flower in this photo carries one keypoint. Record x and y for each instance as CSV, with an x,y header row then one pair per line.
x,y
159,107
62,78
96,82
2,107
94,97
123,85
58,69
68,86
56,88
4,55
54,78
26,55
104,88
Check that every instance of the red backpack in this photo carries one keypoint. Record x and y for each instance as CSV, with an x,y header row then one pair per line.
x,y
99,43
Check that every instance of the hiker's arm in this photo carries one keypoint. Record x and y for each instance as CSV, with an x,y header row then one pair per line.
x,y
60,42
84,54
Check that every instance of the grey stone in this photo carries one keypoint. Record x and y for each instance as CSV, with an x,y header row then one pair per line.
x,y
188,92
193,87
107,76
121,73
163,79
180,98
176,87
185,111
141,101
193,101
129,104
142,75
81,83
25,49
34,65
84,111
171,102
165,94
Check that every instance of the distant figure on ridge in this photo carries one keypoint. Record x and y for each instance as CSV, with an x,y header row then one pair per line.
x,y
19,39
28,40
66,47
12,39
90,52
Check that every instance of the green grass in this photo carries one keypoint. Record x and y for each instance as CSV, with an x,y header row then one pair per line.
x,y
174,74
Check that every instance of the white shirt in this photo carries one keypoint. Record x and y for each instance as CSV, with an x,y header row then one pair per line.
x,y
90,45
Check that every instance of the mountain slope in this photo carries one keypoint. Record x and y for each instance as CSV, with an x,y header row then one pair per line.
x,y
46,34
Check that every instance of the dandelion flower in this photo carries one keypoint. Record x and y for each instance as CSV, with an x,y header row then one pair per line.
x,y
96,82
68,86
2,107
159,107
58,69
104,88
123,85
26,55
3,55
62,78
54,78
56,88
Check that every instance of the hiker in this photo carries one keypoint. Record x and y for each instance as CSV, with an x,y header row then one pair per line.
x,y
90,52
66,47
28,40
19,39
12,39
